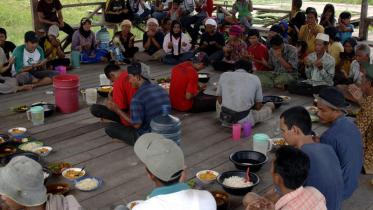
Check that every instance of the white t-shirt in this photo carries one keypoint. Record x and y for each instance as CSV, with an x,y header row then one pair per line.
x,y
182,200
239,90
30,58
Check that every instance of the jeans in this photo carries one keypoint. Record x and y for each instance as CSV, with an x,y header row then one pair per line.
x,y
93,57
176,59
196,21
115,129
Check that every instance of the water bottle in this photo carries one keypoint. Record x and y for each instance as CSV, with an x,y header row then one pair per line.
x,y
167,125
103,37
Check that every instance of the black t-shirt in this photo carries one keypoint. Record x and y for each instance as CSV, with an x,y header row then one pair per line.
x,y
210,41
8,47
159,36
49,10
298,20
116,5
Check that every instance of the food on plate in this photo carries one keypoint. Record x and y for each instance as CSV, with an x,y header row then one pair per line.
x,y
7,150
2,140
17,131
59,188
207,176
221,198
163,80
87,184
22,108
30,146
279,142
236,182
43,151
57,168
73,173
132,204
312,110
105,89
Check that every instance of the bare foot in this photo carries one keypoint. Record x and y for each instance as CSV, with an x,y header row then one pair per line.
x,y
25,87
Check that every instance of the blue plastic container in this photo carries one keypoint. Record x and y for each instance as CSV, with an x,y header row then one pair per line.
x,y
167,125
103,37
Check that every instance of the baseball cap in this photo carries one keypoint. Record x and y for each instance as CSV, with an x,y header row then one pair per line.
x,y
139,69
31,36
211,21
53,30
163,157
201,57
235,30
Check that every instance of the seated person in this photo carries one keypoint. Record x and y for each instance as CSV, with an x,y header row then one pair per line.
x,y
152,42
164,164
193,22
120,98
240,96
185,93
357,70
161,9
9,84
244,9
53,50
335,47
84,41
8,47
166,25
296,20
296,127
328,16
50,13
285,27
364,119
212,41
176,11
127,39
302,56
343,75
22,187
345,28
342,135
283,63
257,51
290,169
30,63
187,6
273,31
309,31
234,50
177,46
146,104
140,9
117,10
320,67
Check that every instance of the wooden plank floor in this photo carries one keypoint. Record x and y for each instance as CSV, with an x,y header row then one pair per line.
x,y
79,138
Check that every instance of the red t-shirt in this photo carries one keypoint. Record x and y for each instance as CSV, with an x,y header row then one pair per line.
x,y
259,51
123,93
184,79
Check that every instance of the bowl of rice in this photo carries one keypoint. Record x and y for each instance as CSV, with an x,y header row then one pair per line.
x,y
234,182
87,184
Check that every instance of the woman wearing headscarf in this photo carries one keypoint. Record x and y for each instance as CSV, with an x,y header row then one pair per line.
x,y
84,41
176,44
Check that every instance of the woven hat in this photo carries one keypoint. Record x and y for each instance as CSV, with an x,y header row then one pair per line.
x,y
22,180
53,30
322,37
162,156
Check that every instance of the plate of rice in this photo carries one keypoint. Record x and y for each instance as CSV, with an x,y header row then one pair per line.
x,y
234,182
88,184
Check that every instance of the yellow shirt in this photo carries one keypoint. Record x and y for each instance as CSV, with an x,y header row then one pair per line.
x,y
305,35
335,50
54,53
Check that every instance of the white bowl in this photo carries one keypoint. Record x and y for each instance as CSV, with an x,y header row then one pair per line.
x,y
74,169
207,181
43,154
21,129
131,205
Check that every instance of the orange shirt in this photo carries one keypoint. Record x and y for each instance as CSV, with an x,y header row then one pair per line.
x,y
123,93
184,79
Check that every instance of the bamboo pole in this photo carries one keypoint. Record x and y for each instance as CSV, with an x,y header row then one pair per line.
x,y
364,24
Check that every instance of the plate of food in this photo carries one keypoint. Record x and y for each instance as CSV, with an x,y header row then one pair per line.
x,y
4,138
312,110
132,204
58,167
104,90
58,188
163,80
30,146
287,99
43,151
88,184
21,108
17,132
207,176
73,173
7,149
277,142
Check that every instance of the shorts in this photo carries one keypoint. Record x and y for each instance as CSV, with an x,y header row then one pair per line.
x,y
29,77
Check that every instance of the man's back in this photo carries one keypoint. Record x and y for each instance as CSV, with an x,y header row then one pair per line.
x,y
146,104
184,79
239,90
345,138
182,200
325,173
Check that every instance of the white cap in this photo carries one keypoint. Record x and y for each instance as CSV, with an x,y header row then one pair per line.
x,y
53,30
152,20
322,37
211,21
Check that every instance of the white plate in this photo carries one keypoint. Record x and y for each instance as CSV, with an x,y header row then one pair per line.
x,y
207,181
129,205
75,169
43,154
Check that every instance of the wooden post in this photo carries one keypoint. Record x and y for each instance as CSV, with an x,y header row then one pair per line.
x,y
35,19
363,26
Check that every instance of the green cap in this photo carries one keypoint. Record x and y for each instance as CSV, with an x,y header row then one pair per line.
x,y
162,156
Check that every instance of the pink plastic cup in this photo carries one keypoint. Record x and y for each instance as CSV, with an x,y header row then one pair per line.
x,y
61,69
247,129
236,131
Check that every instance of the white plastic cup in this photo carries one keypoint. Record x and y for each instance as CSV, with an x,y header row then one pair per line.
x,y
91,96
262,143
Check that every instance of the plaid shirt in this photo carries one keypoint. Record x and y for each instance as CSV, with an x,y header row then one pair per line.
x,y
147,104
303,198
325,75
289,53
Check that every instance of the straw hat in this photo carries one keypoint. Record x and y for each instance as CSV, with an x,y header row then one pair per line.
x,y
22,180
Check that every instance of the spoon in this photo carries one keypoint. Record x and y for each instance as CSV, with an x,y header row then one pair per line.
x,y
247,178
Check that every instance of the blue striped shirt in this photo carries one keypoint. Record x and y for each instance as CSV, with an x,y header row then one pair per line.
x,y
147,104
